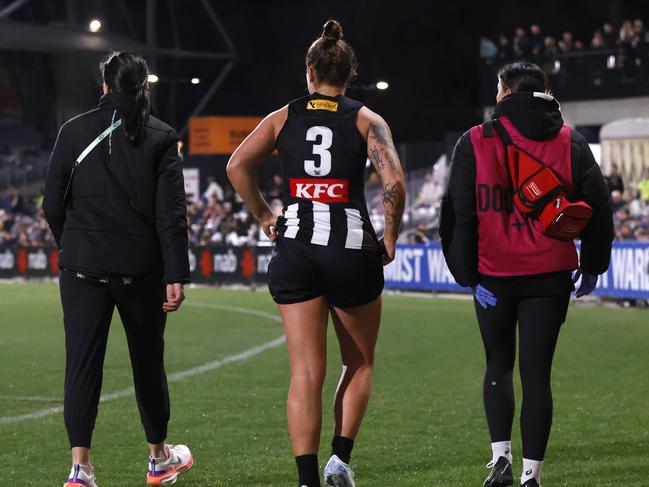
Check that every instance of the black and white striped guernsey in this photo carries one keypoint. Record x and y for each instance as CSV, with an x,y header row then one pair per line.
x,y
323,161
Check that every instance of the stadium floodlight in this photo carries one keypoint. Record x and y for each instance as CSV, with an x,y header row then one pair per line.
x,y
195,81
382,85
94,25
153,78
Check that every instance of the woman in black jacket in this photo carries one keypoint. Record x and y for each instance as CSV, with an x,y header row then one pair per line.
x,y
115,202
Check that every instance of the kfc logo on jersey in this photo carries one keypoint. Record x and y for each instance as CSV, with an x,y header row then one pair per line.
x,y
322,190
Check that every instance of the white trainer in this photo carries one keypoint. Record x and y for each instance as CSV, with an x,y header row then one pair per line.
x,y
166,472
81,476
338,473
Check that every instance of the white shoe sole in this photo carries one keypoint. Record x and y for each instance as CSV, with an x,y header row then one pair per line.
x,y
172,479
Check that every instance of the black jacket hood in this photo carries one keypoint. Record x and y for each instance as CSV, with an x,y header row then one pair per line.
x,y
536,116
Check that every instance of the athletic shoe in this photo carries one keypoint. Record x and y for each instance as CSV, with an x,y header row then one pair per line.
x,y
501,474
531,483
81,476
338,473
167,472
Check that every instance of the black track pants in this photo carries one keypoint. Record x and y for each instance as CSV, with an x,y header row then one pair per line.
x,y
539,322
87,309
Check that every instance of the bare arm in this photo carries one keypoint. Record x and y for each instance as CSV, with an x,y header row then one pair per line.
x,y
241,168
381,151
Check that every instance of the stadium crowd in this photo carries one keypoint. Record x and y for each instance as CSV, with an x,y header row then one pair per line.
x,y
219,217
629,41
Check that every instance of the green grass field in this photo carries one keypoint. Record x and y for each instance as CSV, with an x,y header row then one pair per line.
x,y
425,426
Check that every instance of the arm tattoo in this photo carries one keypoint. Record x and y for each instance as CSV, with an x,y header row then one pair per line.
x,y
380,133
377,160
382,150
392,195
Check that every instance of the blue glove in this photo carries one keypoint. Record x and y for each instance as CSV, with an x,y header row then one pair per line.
x,y
588,283
484,297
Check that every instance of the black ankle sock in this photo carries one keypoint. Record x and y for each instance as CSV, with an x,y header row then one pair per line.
x,y
342,448
307,470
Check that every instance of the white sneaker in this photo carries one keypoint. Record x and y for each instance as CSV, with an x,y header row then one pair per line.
x,y
166,472
338,473
81,476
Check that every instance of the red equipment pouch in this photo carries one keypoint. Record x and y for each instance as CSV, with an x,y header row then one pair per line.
x,y
540,193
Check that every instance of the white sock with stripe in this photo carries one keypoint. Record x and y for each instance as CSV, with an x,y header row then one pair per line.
x,y
502,449
531,470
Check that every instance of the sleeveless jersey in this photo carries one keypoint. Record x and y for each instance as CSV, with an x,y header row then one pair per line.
x,y
323,162
510,244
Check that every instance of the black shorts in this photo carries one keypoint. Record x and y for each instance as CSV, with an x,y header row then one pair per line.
x,y
347,277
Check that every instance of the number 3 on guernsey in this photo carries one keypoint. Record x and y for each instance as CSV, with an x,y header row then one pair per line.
x,y
321,149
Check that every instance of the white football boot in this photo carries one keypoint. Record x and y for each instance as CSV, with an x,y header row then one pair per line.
x,y
166,472
338,473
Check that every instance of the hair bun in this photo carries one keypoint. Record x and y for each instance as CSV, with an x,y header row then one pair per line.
x,y
332,30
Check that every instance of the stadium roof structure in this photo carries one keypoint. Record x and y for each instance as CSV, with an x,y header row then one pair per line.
x,y
69,37
627,128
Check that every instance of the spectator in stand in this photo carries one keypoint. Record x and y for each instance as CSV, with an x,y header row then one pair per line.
x,y
640,45
598,42
505,51
567,43
610,36
614,180
617,201
521,43
276,189
643,188
12,202
430,193
579,45
550,55
626,38
537,40
214,191
488,50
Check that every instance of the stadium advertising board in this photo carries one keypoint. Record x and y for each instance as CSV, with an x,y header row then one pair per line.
x,y
416,267
423,268
219,135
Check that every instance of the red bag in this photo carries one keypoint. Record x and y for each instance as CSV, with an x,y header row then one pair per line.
x,y
540,193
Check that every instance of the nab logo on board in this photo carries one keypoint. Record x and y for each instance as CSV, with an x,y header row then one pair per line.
x,y
322,190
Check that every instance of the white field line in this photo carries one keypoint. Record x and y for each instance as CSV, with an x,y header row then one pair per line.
x,y
30,398
175,376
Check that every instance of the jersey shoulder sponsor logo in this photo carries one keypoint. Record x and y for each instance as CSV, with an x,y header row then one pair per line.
x,y
331,106
322,190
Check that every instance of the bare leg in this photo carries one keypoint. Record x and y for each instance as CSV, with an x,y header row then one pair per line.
x,y
357,330
80,455
158,450
305,325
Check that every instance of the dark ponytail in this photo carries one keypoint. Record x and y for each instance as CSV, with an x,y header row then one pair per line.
x,y
332,59
128,74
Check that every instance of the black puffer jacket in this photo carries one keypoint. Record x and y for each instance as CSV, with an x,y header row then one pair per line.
x,y
536,119
126,211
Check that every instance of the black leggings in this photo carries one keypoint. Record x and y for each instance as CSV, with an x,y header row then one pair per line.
x,y
87,311
539,322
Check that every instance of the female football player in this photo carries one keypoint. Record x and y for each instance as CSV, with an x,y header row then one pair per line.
x,y
519,270
327,259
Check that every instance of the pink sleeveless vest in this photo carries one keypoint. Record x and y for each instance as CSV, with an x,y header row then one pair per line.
x,y
511,244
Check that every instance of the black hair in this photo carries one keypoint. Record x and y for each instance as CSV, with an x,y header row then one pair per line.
x,y
522,76
128,73
333,60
